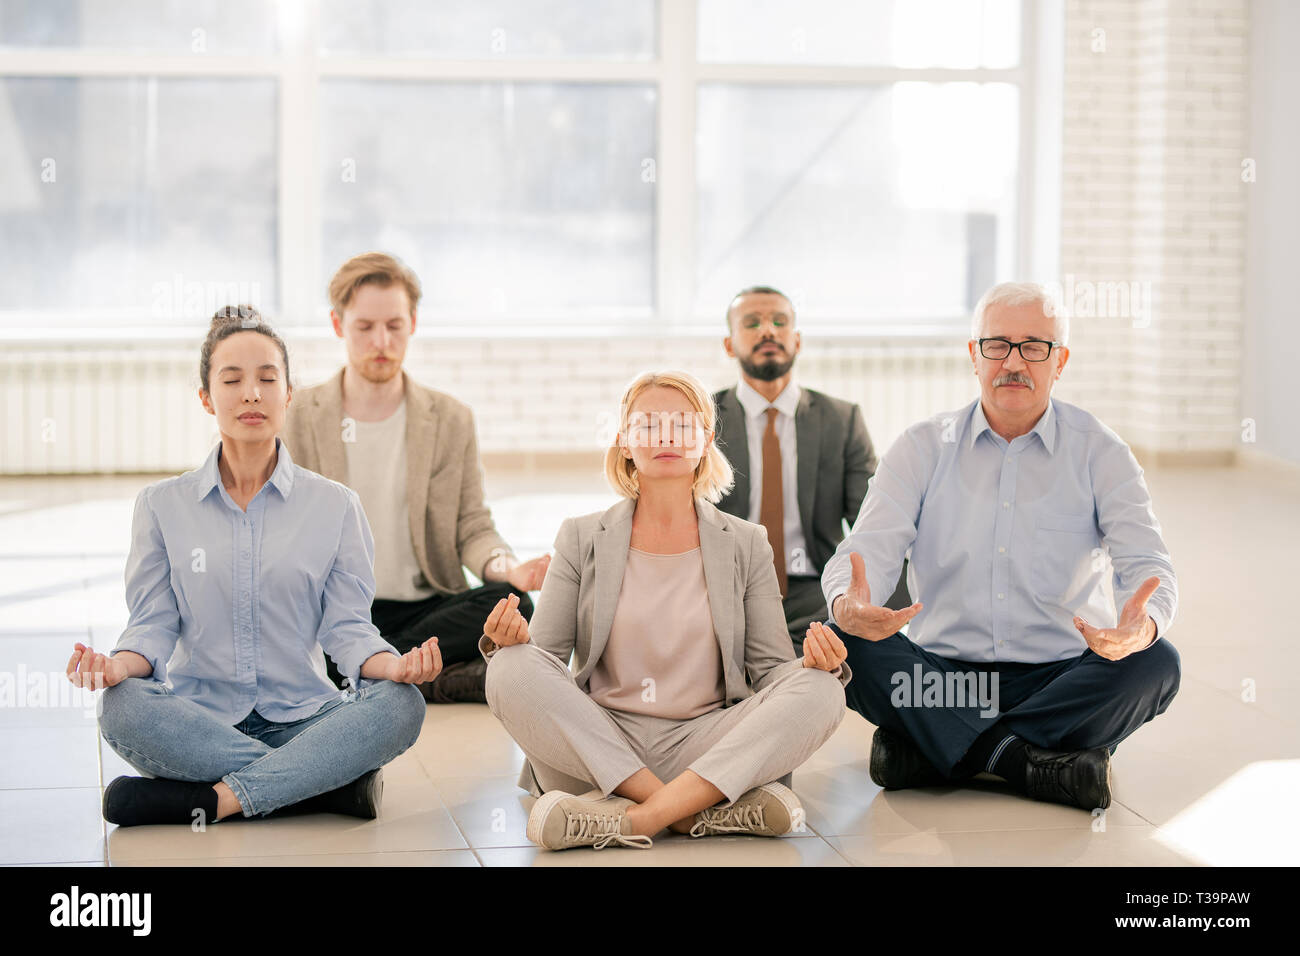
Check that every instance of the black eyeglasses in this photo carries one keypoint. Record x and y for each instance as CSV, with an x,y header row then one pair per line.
x,y
1031,350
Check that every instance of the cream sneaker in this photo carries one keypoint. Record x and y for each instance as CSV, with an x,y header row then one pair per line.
x,y
770,810
561,821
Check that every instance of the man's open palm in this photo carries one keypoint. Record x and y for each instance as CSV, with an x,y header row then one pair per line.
x,y
856,615
1134,632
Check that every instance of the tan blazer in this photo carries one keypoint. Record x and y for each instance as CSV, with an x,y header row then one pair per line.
x,y
451,527
575,610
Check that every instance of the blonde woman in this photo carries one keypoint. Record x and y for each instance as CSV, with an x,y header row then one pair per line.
x,y
685,705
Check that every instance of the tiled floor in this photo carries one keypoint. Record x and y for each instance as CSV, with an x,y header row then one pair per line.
x,y
1214,781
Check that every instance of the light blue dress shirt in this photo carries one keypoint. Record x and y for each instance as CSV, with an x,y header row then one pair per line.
x,y
233,609
1008,541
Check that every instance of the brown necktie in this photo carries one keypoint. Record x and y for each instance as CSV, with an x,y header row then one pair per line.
x,y
771,512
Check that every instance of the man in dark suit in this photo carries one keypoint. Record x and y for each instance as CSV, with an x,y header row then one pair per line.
x,y
802,458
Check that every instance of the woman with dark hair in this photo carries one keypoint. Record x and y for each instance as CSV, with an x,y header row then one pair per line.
x,y
240,573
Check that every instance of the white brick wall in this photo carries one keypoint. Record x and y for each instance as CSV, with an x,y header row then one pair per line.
x,y
1154,137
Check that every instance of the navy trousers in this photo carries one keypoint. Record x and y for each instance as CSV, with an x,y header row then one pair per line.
x,y
1076,704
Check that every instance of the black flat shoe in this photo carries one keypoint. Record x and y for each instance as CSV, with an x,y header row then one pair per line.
x,y
1079,778
897,763
138,801
360,798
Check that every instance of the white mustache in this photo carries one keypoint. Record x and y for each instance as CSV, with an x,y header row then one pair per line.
x,y
1014,378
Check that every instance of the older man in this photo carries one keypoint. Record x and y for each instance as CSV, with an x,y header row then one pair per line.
x,y
1028,523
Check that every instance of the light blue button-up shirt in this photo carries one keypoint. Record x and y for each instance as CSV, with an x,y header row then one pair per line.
x,y
233,609
1008,541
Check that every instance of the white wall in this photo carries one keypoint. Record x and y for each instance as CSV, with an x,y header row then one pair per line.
x,y
1272,328
1154,134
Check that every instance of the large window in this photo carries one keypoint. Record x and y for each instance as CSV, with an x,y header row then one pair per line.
x,y
547,166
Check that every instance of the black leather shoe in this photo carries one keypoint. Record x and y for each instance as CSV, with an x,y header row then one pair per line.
x,y
897,763
458,683
1079,778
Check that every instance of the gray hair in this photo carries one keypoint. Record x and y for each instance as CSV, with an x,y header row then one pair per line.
x,y
1022,293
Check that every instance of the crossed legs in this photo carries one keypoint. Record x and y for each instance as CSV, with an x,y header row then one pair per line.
x,y
1071,705
258,765
671,769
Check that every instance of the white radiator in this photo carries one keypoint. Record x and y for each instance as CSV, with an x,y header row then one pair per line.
x,y
92,408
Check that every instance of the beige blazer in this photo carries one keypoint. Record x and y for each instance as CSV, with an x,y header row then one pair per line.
x,y
575,610
451,527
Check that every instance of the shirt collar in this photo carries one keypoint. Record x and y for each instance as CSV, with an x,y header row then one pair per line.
x,y
209,474
755,404
1045,428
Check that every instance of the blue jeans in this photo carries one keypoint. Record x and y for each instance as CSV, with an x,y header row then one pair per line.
x,y
267,764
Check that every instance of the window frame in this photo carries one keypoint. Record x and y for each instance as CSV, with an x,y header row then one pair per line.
x,y
674,70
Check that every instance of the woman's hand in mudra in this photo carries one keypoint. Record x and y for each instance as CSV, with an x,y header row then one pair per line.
x,y
93,671
419,665
505,625
822,648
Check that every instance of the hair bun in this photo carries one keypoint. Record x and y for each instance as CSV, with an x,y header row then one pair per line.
x,y
241,315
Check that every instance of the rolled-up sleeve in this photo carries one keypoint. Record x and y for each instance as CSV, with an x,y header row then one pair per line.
x,y
1132,536
346,632
154,624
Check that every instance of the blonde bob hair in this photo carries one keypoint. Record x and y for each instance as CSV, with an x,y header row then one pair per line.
x,y
713,474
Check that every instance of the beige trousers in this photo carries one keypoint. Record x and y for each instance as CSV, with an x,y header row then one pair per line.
x,y
575,745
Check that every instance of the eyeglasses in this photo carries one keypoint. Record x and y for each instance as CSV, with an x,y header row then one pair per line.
x,y
1031,350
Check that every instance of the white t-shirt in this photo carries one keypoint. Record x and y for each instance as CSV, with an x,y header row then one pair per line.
x,y
377,473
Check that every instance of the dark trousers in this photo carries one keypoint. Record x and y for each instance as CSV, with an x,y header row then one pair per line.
x,y
456,619
1076,704
805,603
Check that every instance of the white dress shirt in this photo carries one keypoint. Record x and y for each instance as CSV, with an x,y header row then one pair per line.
x,y
755,405
1009,540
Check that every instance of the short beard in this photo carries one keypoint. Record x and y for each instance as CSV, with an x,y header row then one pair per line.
x,y
369,373
768,371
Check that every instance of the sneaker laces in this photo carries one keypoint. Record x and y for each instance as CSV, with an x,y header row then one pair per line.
x,y
746,818
601,830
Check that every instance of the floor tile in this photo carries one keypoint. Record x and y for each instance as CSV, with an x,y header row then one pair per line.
x,y
412,818
45,758
844,801
490,811
1116,846
679,850
1212,781
51,826
438,858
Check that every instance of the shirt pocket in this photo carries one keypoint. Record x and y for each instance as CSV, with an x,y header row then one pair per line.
x,y
1064,555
